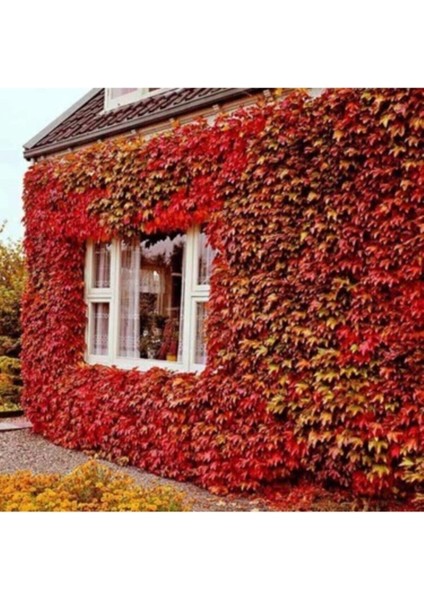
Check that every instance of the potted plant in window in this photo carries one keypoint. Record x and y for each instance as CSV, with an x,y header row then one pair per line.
x,y
151,339
169,348
172,353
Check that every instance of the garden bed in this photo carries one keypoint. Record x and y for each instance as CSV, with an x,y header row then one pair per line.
x,y
23,450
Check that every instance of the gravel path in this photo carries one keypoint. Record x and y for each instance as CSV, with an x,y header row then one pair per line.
x,y
23,450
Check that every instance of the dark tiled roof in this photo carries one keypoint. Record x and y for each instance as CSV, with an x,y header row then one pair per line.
x,y
90,122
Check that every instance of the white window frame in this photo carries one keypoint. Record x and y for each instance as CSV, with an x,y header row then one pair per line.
x,y
192,294
198,293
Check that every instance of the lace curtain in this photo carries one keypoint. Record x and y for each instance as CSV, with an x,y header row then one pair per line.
x,y
206,256
101,329
182,304
200,342
129,326
101,266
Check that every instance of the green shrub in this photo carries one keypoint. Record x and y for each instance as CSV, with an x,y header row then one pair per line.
x,y
10,383
9,393
12,281
9,346
10,366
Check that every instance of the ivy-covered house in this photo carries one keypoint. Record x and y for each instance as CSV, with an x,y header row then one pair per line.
x,y
226,285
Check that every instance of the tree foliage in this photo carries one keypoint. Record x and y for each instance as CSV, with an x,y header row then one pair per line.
x,y
12,281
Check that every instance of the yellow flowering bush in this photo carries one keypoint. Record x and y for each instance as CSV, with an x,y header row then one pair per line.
x,y
90,487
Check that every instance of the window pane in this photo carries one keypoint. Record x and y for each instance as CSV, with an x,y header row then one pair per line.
x,y
151,307
117,92
129,331
100,330
206,255
101,269
200,341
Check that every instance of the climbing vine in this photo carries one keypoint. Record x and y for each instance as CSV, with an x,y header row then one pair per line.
x,y
315,327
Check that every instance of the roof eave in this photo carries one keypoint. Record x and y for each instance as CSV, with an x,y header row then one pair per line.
x,y
143,121
68,112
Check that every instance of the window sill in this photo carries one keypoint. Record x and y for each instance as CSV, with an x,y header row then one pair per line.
x,y
143,364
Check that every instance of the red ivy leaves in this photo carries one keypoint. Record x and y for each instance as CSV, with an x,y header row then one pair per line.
x,y
315,337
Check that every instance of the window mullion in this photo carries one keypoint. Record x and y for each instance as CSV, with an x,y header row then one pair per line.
x,y
195,302
189,286
114,301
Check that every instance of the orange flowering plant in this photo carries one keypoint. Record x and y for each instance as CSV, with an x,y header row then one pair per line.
x,y
90,487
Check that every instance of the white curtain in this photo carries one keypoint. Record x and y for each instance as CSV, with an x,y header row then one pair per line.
x,y
101,329
206,256
117,92
129,325
200,345
101,266
182,305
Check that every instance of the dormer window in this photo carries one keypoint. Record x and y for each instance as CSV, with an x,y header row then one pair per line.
x,y
116,97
